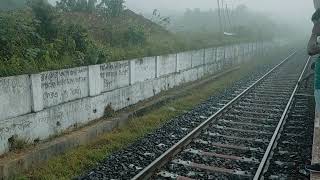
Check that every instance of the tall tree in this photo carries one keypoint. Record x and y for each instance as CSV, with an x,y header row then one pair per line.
x,y
77,5
45,14
92,5
112,7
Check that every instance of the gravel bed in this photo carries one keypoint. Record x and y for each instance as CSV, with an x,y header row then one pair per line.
x,y
294,147
128,162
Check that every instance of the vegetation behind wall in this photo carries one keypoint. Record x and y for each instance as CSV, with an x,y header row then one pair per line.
x,y
37,36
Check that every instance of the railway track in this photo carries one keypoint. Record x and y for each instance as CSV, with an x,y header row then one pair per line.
x,y
294,146
238,140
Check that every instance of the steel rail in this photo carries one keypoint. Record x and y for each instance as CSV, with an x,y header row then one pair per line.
x,y
274,138
148,172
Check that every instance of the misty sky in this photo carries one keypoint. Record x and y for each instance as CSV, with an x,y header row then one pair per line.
x,y
263,5
283,9
293,11
296,12
274,6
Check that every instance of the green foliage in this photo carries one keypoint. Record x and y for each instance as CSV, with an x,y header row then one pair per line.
x,y
77,5
75,33
15,33
135,36
32,41
113,8
17,143
109,8
44,18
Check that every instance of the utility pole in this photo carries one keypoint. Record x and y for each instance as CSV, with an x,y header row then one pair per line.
x,y
223,16
228,15
220,23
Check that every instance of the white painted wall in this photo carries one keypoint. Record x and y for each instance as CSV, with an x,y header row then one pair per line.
x,y
41,105
15,96
64,85
220,57
166,64
209,56
143,69
184,61
198,58
114,75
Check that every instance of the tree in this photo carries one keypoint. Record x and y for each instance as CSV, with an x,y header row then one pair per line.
x,y
82,5
66,5
157,18
92,5
45,16
135,35
77,5
109,8
112,8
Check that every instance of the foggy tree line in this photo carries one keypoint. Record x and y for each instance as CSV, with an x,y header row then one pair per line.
x,y
243,22
106,7
38,36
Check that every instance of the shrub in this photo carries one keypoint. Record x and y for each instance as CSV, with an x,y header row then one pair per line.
x,y
135,35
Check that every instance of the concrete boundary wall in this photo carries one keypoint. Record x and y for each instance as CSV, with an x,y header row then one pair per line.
x,y
166,64
114,75
184,61
142,69
38,106
15,96
57,87
198,58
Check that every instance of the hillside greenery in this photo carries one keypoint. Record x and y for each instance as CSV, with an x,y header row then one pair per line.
x,y
36,36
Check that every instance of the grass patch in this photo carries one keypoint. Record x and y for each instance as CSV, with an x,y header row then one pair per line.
x,y
17,143
77,161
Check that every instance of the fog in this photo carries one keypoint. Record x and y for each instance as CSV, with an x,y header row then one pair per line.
x,y
295,13
285,8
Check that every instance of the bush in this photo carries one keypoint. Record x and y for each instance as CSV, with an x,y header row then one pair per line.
x,y
45,16
113,7
135,36
109,8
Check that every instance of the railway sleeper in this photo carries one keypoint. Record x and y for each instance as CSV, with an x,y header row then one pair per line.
x,y
247,126
234,142
234,122
229,146
257,140
212,154
258,112
216,161
204,167
261,108
263,102
242,130
242,134
236,117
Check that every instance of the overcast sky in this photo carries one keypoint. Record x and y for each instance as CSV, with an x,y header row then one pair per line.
x,y
288,10
296,12
278,6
